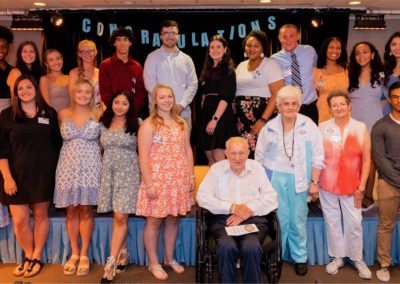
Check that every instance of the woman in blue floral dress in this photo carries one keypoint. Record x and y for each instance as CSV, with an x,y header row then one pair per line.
x,y
120,178
79,172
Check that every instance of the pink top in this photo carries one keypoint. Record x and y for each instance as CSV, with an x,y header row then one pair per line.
x,y
343,156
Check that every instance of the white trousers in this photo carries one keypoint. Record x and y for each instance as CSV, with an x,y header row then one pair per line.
x,y
343,225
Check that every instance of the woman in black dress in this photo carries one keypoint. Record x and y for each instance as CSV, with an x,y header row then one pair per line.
x,y
217,88
29,145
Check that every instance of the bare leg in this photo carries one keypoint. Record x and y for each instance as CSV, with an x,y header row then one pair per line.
x,y
86,226
22,228
151,234
171,226
210,157
40,227
218,155
72,223
120,230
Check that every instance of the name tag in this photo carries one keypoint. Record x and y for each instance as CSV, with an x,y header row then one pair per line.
x,y
333,135
43,120
158,139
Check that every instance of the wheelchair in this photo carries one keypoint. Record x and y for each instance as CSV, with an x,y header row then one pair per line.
x,y
271,263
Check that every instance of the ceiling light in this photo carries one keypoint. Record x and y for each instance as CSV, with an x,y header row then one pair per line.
x,y
39,4
369,22
354,2
57,19
317,21
265,1
27,23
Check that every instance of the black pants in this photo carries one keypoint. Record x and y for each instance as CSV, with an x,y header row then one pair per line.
x,y
246,247
311,111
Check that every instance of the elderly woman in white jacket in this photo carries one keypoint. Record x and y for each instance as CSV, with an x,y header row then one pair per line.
x,y
290,148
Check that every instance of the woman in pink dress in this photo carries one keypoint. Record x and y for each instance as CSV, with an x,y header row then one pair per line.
x,y
166,164
330,74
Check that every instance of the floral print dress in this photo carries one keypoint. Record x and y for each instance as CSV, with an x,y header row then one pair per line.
x,y
170,175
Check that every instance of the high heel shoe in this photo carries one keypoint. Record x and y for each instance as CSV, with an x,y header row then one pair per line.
x,y
109,270
123,261
158,272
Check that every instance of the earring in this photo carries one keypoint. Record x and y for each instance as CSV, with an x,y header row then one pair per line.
x,y
390,53
244,55
262,55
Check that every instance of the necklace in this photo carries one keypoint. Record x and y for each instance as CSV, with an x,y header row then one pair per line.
x,y
284,144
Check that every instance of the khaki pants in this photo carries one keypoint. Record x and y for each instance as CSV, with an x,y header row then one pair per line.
x,y
389,204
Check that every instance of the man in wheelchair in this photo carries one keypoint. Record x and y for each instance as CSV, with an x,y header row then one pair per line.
x,y
237,191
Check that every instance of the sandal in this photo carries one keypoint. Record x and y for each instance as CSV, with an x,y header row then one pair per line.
x,y
123,260
109,270
70,266
83,266
22,267
34,268
176,267
158,272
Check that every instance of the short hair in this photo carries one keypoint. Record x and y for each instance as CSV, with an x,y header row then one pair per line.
x,y
6,33
237,140
261,37
289,91
338,93
168,23
393,87
121,32
289,26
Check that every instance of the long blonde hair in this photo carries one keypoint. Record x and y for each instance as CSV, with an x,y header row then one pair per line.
x,y
92,104
155,119
91,44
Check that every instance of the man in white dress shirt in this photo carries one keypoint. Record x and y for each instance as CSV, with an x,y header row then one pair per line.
x,y
237,191
170,66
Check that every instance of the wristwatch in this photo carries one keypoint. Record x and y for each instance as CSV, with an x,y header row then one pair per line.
x,y
216,118
264,119
314,182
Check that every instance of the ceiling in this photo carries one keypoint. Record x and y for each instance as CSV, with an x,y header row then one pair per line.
x,y
376,5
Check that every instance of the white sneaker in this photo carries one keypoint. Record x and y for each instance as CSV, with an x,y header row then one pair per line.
x,y
363,270
383,274
334,265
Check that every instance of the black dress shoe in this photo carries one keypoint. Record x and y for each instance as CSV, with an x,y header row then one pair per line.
x,y
300,268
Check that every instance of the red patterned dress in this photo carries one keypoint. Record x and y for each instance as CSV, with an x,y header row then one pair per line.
x,y
170,175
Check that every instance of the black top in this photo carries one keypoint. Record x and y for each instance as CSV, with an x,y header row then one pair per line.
x,y
220,85
31,147
4,88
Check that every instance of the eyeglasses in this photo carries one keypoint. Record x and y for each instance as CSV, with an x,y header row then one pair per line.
x,y
169,33
395,98
88,51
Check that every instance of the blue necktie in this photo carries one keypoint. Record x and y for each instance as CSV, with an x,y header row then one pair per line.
x,y
296,78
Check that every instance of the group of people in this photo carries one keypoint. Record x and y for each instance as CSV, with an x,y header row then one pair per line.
x,y
76,140
348,101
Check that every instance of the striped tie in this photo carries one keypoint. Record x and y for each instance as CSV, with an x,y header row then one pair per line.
x,y
296,78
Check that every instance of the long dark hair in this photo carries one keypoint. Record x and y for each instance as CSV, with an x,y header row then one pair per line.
x,y
36,68
132,124
355,68
43,109
342,60
389,60
226,61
